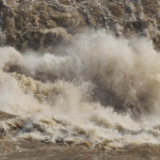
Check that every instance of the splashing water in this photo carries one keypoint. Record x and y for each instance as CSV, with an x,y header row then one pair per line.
x,y
89,92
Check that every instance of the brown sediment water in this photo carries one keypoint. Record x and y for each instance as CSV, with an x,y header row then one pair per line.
x,y
100,93
23,149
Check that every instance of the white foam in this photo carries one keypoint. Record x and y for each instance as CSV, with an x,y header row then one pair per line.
x,y
74,104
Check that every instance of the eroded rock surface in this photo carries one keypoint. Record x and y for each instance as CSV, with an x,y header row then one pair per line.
x,y
42,23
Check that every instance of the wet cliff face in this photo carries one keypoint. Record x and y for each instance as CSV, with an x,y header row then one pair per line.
x,y
43,23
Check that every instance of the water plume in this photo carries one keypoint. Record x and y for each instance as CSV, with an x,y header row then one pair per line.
x,y
87,92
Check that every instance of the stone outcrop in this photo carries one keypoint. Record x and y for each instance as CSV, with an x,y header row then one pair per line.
x,y
42,23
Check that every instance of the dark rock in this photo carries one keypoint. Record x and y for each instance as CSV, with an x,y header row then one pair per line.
x,y
8,24
11,39
116,10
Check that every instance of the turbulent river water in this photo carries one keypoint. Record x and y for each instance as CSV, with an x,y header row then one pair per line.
x,y
100,91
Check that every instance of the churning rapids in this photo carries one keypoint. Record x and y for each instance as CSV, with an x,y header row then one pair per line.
x,y
101,91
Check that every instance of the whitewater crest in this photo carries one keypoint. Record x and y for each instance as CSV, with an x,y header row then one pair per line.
x,y
89,92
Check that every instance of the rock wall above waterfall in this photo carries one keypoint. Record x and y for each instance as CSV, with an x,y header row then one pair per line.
x,y
43,23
